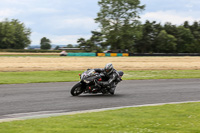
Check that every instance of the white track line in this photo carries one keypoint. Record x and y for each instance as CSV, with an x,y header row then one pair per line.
x,y
45,114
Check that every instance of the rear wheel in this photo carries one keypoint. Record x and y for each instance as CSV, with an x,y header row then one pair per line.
x,y
76,89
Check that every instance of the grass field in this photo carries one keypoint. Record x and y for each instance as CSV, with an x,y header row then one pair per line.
x,y
68,76
41,63
180,118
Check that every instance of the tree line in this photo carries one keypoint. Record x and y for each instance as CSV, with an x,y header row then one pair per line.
x,y
120,29
168,38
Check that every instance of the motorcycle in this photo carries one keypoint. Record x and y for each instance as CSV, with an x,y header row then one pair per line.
x,y
88,83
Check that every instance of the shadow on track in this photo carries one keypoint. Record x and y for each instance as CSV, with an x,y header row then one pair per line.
x,y
100,95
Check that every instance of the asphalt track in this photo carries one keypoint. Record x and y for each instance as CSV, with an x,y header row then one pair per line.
x,y
56,97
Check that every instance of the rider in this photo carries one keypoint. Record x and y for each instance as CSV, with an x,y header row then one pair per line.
x,y
111,74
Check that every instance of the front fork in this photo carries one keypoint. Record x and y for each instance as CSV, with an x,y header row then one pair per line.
x,y
83,86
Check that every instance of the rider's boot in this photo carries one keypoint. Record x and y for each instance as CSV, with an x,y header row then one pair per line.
x,y
112,89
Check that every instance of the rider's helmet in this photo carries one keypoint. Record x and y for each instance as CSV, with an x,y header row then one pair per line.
x,y
109,68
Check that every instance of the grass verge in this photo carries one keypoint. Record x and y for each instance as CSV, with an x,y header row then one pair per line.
x,y
161,74
38,77
69,76
182,118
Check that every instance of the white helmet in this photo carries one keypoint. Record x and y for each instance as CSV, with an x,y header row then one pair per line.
x,y
109,68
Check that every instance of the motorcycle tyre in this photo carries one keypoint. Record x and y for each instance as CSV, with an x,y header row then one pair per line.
x,y
74,91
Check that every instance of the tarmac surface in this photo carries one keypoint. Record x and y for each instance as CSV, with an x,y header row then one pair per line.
x,y
16,99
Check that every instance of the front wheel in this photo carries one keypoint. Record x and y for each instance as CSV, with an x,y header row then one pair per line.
x,y
76,89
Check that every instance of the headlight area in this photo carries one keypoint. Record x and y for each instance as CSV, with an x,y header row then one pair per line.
x,y
86,81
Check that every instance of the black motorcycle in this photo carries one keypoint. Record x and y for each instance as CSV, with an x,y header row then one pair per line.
x,y
88,83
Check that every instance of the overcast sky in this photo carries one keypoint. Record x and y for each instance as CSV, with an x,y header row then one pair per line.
x,y
64,21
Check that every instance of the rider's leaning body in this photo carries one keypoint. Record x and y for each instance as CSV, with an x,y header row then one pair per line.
x,y
110,73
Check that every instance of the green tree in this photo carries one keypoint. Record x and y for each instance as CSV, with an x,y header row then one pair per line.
x,y
150,31
186,35
94,43
171,29
195,29
45,43
165,43
14,35
87,45
185,40
114,17
97,40
186,24
21,35
70,46
7,35
56,48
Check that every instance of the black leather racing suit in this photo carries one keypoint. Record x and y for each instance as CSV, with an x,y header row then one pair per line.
x,y
111,78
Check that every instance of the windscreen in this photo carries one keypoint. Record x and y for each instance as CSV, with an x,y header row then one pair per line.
x,y
88,73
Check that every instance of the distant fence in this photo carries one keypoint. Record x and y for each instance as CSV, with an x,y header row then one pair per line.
x,y
132,54
81,54
164,54
98,54
112,54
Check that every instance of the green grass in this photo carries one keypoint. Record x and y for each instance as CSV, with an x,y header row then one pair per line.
x,y
161,74
178,118
68,76
38,77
